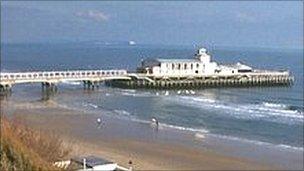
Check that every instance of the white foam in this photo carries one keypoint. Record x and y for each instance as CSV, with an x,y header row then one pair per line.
x,y
128,90
201,130
274,105
265,110
199,136
137,94
122,112
71,82
92,105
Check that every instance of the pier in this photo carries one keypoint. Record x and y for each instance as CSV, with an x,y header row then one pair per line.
x,y
199,72
257,78
124,79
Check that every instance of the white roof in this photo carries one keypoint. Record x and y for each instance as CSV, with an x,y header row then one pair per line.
x,y
177,60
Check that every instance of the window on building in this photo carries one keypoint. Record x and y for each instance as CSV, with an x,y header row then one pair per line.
x,y
173,66
197,65
191,66
179,66
185,66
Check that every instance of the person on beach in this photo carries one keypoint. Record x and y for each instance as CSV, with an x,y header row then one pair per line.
x,y
99,122
154,122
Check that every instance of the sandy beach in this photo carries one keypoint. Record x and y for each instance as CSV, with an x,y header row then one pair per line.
x,y
120,142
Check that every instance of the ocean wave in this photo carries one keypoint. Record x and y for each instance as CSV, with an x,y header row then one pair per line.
x,y
90,105
274,105
136,94
256,142
122,112
128,90
181,128
265,110
164,125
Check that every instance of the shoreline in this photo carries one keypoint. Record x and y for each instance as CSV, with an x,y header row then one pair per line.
x,y
122,141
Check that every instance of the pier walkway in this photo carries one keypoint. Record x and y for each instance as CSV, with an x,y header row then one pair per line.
x,y
50,79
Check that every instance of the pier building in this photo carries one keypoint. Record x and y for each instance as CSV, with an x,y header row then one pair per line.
x,y
200,72
200,65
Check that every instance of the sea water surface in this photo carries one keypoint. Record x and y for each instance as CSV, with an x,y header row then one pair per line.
x,y
270,116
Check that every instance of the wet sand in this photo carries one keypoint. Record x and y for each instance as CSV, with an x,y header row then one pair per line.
x,y
121,141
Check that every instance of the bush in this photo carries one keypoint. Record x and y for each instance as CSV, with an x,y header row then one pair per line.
x,y
23,148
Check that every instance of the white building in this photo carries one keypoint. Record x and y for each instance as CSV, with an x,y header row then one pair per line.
x,y
200,65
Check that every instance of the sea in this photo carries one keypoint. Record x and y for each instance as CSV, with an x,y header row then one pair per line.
x,y
266,116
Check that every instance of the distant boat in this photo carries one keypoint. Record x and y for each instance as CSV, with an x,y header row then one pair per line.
x,y
132,42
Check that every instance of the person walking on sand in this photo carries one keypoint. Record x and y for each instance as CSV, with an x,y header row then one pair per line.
x,y
99,122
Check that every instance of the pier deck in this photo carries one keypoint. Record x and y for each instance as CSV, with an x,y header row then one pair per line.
x,y
123,79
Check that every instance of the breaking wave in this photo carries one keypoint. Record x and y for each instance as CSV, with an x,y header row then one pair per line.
x,y
181,128
122,112
268,111
90,105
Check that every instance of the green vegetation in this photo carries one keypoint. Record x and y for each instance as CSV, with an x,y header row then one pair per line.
x,y
23,148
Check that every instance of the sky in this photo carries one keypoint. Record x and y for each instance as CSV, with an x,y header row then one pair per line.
x,y
233,23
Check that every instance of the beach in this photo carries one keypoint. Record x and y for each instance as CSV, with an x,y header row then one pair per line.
x,y
118,141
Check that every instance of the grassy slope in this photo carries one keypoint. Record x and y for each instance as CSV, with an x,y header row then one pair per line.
x,y
25,149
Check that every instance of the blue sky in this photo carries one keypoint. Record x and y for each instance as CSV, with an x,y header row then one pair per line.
x,y
234,23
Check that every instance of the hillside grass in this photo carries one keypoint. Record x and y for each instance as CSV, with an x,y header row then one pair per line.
x,y
24,148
